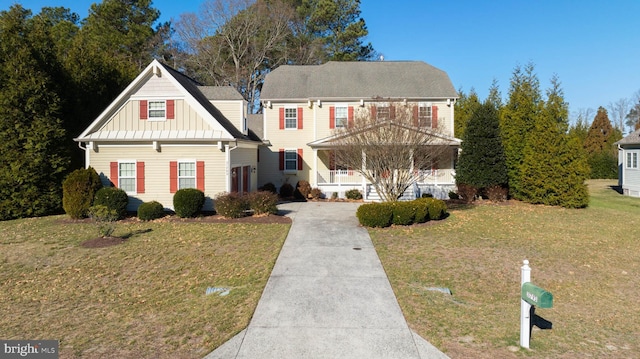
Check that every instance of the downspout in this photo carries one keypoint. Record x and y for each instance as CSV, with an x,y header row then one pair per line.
x,y
86,155
227,159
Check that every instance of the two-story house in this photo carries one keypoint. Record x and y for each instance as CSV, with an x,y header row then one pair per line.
x,y
304,105
165,132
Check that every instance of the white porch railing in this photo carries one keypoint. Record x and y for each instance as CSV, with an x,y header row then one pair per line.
x,y
350,177
339,177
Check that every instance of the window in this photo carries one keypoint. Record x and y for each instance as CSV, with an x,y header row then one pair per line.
x,y
341,116
157,110
424,115
383,113
127,176
632,160
186,175
290,118
290,160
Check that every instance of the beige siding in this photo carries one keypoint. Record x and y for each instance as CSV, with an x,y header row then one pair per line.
x,y
158,86
157,169
233,110
128,119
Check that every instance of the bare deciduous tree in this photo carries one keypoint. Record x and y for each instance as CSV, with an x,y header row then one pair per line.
x,y
618,111
388,147
236,42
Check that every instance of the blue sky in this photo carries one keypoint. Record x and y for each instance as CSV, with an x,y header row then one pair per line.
x,y
593,46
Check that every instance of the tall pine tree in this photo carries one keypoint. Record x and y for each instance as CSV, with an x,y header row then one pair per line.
x,y
518,118
465,106
33,156
482,161
599,144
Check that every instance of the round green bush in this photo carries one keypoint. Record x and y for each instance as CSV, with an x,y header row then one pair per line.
x,y
403,213
78,190
375,214
232,205
148,211
286,190
353,194
263,202
113,198
421,210
188,202
269,187
437,208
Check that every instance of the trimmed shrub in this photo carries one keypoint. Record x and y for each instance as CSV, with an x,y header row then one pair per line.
x,y
421,207
426,195
269,187
467,192
232,205
403,213
375,214
188,202
303,189
353,194
263,202
113,198
78,190
453,195
496,193
334,195
437,208
316,193
148,211
286,190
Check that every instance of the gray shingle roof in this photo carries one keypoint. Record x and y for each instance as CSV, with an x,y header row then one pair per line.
x,y
631,139
220,93
358,80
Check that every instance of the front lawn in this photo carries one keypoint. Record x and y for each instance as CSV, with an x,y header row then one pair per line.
x,y
589,259
144,298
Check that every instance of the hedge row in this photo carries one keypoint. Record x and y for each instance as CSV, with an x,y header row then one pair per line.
x,y
401,213
234,205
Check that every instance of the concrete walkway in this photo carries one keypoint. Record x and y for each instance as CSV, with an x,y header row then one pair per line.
x,y
328,296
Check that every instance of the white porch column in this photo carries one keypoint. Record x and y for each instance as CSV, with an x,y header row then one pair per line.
x,y
314,182
364,180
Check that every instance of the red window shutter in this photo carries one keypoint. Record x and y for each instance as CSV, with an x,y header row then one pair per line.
x,y
299,159
143,110
140,177
350,116
332,117
300,109
281,155
173,176
374,112
434,116
114,173
392,112
415,116
171,109
200,175
282,118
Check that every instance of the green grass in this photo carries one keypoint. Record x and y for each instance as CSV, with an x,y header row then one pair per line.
x,y
589,259
144,298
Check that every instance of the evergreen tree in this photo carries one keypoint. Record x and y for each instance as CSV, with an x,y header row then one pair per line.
x,y
464,107
495,97
33,154
554,168
555,106
518,118
599,144
482,161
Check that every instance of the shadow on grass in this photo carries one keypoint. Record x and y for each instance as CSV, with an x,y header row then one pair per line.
x,y
135,233
616,188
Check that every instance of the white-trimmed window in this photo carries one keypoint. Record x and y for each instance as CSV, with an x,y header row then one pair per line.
x,y
424,115
290,160
127,176
186,174
342,116
157,110
291,118
632,159
383,112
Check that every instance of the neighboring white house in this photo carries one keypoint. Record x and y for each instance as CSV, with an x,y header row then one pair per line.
x,y
164,132
629,164
303,105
